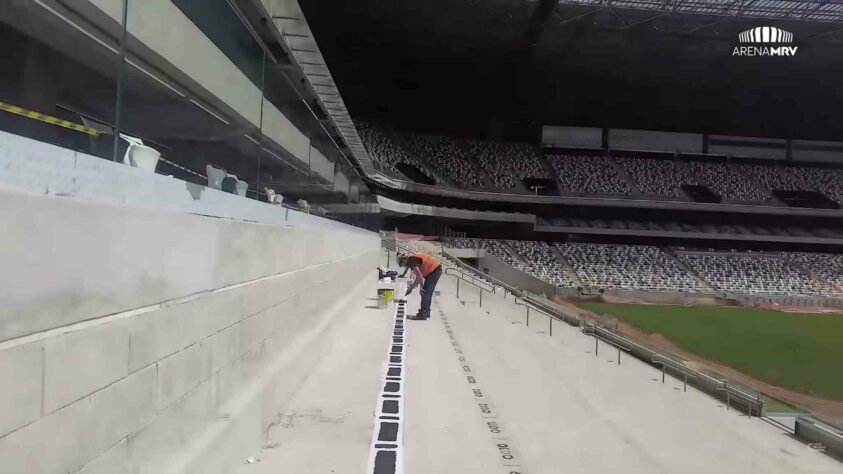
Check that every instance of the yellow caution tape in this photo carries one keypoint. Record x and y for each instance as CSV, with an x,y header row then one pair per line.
x,y
48,119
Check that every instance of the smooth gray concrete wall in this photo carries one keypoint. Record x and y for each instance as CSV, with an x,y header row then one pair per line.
x,y
464,253
67,261
514,277
137,340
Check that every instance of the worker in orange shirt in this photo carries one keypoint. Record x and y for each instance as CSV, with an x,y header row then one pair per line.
x,y
427,271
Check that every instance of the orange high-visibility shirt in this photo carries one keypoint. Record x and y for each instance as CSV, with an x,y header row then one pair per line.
x,y
429,263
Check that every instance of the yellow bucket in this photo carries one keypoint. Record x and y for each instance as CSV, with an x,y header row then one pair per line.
x,y
385,295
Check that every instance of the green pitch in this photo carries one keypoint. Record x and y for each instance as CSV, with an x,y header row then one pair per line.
x,y
799,351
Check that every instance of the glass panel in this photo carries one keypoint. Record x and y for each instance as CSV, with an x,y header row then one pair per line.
x,y
58,75
221,24
188,102
306,155
202,100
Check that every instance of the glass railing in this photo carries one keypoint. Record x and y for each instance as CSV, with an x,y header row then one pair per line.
x,y
183,88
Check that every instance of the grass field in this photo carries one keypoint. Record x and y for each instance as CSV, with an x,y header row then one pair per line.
x,y
803,352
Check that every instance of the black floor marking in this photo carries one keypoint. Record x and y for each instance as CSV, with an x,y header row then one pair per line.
x,y
506,453
385,462
386,453
388,432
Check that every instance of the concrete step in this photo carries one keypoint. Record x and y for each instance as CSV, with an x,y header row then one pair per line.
x,y
690,271
624,175
566,266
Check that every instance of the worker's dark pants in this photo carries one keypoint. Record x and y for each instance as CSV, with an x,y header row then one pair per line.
x,y
427,291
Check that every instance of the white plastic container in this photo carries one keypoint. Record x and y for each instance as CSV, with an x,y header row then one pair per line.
x,y
215,176
241,187
139,155
143,157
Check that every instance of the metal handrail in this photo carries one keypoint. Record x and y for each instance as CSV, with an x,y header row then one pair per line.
x,y
526,301
486,276
473,281
607,336
594,330
615,339
548,310
461,275
623,343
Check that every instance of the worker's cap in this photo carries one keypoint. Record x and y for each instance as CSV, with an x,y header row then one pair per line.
x,y
402,260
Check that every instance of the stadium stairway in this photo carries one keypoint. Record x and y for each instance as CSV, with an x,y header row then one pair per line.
x,y
624,176
753,179
549,171
807,270
690,271
514,253
566,266
485,392
471,156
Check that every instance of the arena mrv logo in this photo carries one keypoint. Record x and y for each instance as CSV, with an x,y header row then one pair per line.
x,y
765,41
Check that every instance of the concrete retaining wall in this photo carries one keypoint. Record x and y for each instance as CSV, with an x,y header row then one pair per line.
x,y
659,297
824,437
140,340
514,277
30,166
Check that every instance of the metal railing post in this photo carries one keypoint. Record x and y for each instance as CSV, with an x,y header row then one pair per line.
x,y
528,315
481,296
458,287
550,323
728,398
619,356
596,345
663,364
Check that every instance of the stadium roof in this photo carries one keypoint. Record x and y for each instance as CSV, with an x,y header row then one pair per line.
x,y
809,10
492,67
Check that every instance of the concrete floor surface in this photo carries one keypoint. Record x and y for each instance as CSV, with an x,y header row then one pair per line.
x,y
485,393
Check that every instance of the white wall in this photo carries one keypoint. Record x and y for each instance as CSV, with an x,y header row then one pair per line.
x,y
353,193
320,165
34,167
280,130
138,340
105,259
341,184
162,27
153,325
